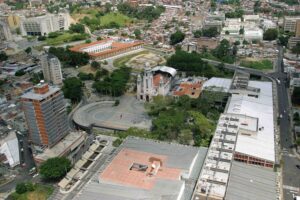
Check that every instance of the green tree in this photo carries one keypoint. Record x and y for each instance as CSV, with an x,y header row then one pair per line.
x,y
270,34
88,41
296,49
77,28
20,72
21,188
137,33
84,76
241,31
3,56
55,168
72,89
197,33
28,50
210,32
176,37
95,65
296,96
283,40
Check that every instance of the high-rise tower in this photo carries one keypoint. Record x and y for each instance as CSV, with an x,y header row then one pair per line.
x,y
45,114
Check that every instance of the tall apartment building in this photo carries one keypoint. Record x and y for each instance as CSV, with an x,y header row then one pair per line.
x,y
51,69
290,23
45,115
42,25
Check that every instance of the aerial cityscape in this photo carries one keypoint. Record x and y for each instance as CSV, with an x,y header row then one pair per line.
x,y
150,100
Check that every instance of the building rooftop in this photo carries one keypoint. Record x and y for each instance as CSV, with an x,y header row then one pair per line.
x,y
249,182
9,146
40,96
217,84
166,69
69,142
147,169
262,145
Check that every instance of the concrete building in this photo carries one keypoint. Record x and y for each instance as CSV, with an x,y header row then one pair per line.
x,y
251,18
243,146
146,169
156,81
290,23
108,48
253,34
5,34
293,41
45,115
71,146
9,149
42,25
51,69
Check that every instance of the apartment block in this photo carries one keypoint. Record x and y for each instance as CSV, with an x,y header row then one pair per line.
x,y
290,23
45,115
51,69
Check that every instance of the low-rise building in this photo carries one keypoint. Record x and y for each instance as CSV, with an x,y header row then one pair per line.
x,y
107,48
9,149
290,23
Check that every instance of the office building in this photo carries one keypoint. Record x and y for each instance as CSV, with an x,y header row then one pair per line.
x,y
45,114
290,24
42,25
51,69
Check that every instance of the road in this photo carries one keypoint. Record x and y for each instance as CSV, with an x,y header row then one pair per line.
x,y
290,173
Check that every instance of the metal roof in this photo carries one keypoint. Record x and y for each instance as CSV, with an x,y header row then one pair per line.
x,y
166,69
250,182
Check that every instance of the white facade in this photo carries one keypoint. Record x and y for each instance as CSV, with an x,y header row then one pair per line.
x,y
51,69
98,47
149,86
42,25
251,35
9,146
290,23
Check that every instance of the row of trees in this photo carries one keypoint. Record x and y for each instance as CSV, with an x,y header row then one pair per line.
x,y
210,32
69,58
192,63
145,13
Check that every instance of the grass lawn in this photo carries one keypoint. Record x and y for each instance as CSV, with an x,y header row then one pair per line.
x,y
41,192
264,64
120,62
118,18
66,37
87,69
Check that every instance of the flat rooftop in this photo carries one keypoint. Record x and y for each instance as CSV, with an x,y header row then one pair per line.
x,y
147,169
36,96
217,84
262,145
64,145
250,182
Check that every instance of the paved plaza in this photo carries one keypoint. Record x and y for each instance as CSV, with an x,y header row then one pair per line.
x,y
129,113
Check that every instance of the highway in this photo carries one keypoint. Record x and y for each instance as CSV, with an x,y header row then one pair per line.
x,y
290,173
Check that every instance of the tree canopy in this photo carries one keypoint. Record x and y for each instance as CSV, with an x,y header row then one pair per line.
x,y
238,13
193,64
72,89
270,34
210,32
296,49
77,28
55,168
70,58
3,56
113,84
224,52
296,96
147,13
176,37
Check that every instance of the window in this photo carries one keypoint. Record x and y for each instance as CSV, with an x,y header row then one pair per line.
x,y
138,167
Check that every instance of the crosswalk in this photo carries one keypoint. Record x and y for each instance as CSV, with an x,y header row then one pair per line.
x,y
288,153
291,188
